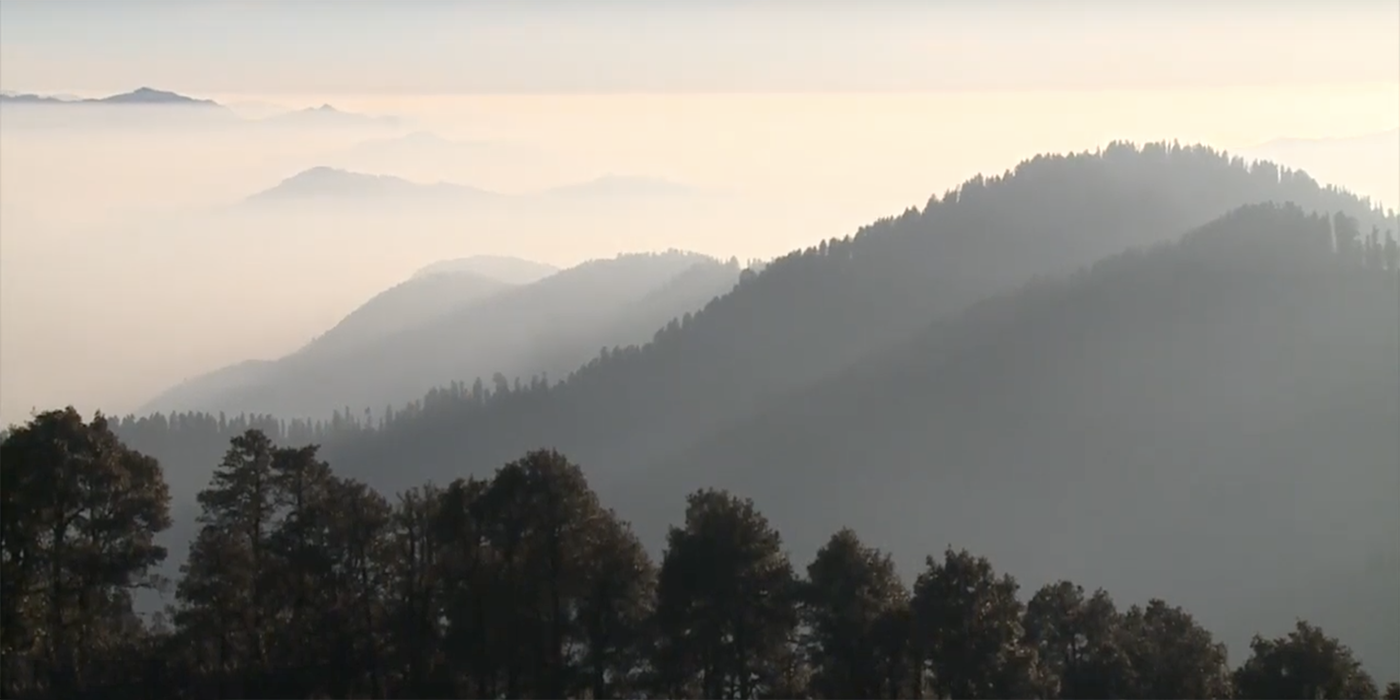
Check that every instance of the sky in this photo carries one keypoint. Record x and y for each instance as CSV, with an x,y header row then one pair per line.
x,y
829,114
424,46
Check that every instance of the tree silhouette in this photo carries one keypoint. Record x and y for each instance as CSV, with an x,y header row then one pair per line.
x,y
79,512
725,601
1302,665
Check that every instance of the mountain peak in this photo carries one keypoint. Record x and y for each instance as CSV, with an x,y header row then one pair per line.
x,y
150,95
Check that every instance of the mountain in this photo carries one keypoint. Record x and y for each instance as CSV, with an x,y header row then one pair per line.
x,y
28,98
325,183
646,420
418,300
328,117
414,301
498,267
151,96
143,96
547,326
192,391
1167,423
818,310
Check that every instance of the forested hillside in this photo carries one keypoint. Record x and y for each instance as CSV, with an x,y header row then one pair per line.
x,y
815,311
1244,376
1215,420
306,584
803,317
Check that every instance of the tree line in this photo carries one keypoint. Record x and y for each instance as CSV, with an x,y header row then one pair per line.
x,y
304,583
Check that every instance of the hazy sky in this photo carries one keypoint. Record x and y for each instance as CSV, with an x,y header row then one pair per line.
x,y
425,46
831,113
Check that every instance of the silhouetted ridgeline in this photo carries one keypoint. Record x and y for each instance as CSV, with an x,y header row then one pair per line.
x,y
306,584
433,328
1210,421
816,311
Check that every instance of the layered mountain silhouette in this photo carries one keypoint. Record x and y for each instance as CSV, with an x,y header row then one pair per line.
x,y
965,373
324,183
323,117
451,322
1166,422
140,96
815,311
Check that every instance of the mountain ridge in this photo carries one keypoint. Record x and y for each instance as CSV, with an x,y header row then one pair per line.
x,y
595,292
140,96
323,181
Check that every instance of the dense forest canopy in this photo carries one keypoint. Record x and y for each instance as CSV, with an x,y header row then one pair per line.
x,y
304,583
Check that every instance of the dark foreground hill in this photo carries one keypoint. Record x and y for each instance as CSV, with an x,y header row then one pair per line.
x,y
1217,421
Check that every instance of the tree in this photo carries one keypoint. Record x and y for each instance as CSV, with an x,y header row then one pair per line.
x,y
614,610
1077,640
1305,664
473,587
224,594
299,554
77,533
968,630
725,601
850,598
1347,233
546,517
356,546
415,587
1171,655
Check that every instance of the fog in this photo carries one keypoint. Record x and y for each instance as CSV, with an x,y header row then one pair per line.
x,y
116,236
123,224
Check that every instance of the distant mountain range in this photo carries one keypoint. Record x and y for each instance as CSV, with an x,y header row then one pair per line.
x,y
139,96
1207,418
322,183
453,319
325,116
